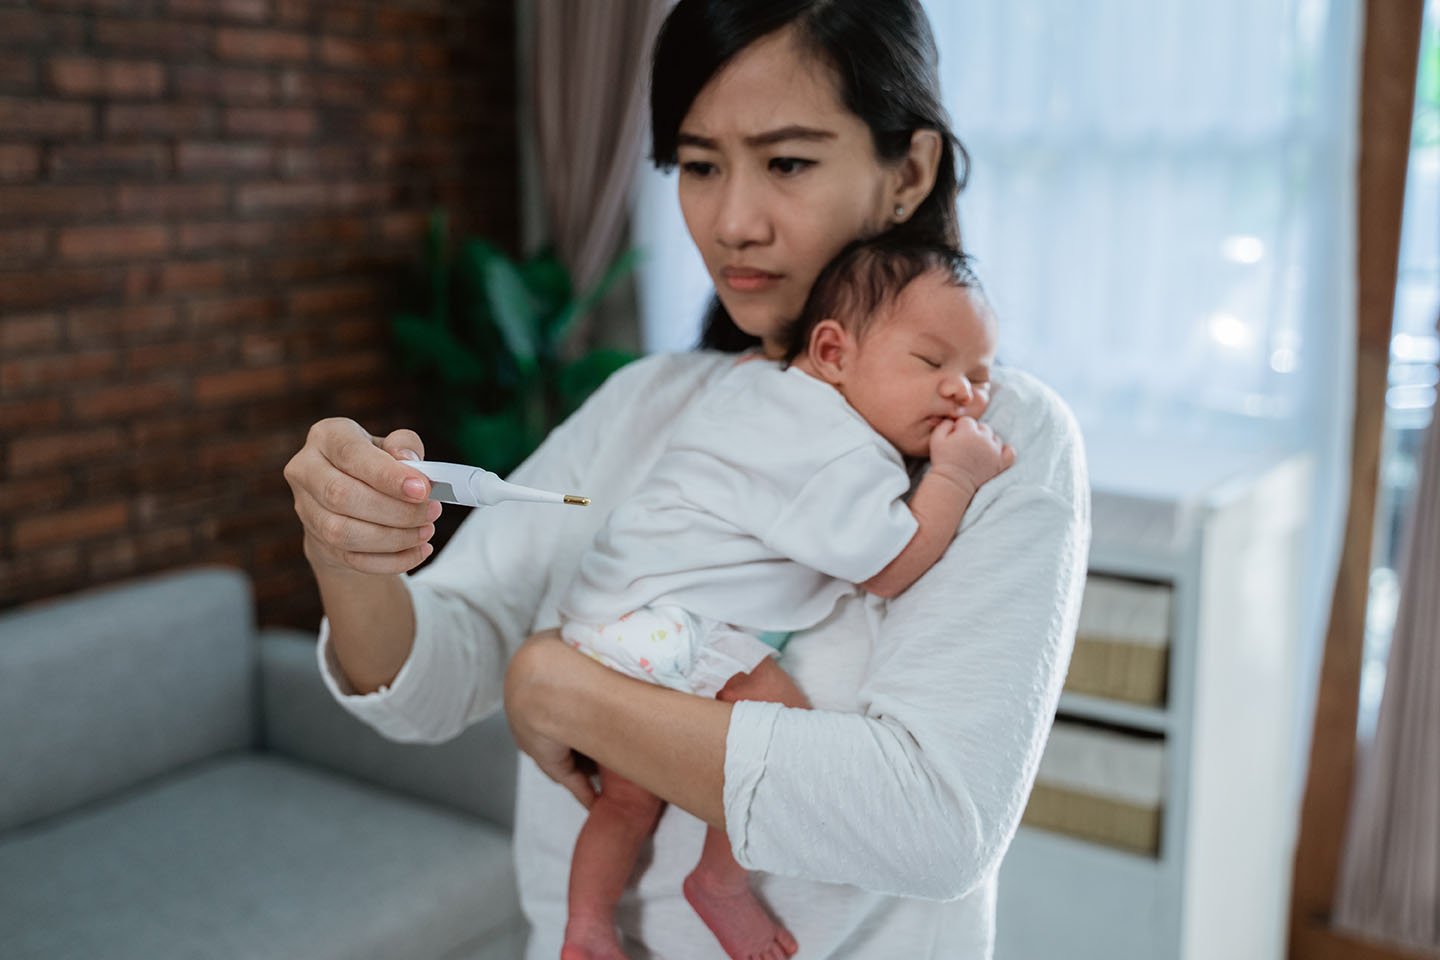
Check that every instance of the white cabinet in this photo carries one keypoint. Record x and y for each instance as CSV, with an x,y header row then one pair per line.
x,y
1214,540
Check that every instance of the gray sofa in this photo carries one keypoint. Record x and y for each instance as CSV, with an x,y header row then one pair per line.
x,y
174,783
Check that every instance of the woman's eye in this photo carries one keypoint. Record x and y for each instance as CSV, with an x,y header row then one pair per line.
x,y
697,168
789,166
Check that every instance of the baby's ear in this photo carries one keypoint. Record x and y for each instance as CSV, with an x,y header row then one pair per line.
x,y
830,350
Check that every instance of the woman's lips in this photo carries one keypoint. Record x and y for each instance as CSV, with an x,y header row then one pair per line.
x,y
745,280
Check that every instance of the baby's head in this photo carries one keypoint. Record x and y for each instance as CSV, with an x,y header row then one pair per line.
x,y
904,333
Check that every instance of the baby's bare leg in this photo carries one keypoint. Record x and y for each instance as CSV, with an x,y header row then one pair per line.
x,y
620,820
719,888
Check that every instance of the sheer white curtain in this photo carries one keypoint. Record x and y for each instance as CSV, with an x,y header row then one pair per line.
x,y
1161,209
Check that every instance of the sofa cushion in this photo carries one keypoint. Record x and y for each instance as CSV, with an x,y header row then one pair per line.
x,y
102,690
475,772
251,855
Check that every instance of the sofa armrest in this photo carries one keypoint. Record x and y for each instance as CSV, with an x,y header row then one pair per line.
x,y
474,773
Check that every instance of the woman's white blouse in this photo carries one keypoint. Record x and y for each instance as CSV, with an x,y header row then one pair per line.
x,y
878,820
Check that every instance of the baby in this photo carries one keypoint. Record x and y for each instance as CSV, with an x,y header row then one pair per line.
x,y
782,488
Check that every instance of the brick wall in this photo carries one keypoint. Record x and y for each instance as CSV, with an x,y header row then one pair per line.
x,y
204,207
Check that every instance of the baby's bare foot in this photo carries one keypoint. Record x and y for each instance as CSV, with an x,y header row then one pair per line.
x,y
743,927
590,940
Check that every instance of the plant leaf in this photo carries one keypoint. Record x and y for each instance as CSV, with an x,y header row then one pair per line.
x,y
564,323
548,282
583,377
495,441
425,346
511,306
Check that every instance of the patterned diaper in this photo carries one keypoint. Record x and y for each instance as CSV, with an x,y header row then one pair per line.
x,y
671,647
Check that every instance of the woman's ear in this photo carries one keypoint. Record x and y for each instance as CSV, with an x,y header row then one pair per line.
x,y
914,176
830,351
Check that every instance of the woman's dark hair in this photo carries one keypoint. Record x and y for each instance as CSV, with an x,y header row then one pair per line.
x,y
864,277
886,63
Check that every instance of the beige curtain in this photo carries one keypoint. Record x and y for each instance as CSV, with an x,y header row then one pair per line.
x,y
1390,876
592,67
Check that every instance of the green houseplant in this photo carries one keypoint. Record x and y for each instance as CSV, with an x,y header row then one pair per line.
x,y
489,338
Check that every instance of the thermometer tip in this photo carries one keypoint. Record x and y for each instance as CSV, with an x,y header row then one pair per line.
x,y
573,500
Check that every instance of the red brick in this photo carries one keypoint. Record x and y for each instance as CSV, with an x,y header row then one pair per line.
x,y
344,17
239,312
312,161
404,227
235,385
22,28
432,56
111,324
234,43
392,20
150,280
24,244
49,450
259,349
385,124
28,332
355,366
110,242
48,288
253,11
333,298
153,36
159,120
327,232
18,161
20,415
69,526
234,84
109,160
17,73
161,199
45,118
126,400
55,370
145,358
89,77
330,89
348,195
339,52
51,203
227,235
252,197
36,493
294,12
358,331
193,159
270,122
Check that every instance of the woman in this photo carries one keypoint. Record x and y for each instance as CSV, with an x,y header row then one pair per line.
x,y
796,126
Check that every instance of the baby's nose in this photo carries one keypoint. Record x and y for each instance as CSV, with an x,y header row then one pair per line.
x,y
958,389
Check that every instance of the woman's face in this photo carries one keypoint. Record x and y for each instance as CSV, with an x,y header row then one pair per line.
x,y
776,175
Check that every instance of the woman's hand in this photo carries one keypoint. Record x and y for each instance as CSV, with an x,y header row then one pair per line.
x,y
362,511
528,689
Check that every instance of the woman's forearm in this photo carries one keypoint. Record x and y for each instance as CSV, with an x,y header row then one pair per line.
x,y
670,743
372,623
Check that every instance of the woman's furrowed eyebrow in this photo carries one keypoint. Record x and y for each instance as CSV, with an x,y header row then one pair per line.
x,y
766,139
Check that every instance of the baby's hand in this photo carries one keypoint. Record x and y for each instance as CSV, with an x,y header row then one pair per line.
x,y
968,452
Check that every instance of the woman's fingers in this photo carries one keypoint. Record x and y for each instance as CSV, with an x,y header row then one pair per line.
x,y
361,508
402,445
355,453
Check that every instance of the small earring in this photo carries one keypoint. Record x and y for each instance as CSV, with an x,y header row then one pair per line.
x,y
899,210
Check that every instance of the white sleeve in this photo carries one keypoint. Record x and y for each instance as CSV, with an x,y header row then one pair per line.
x,y
477,599
921,795
848,521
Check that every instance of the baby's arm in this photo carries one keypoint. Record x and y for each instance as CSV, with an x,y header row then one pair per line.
x,y
964,454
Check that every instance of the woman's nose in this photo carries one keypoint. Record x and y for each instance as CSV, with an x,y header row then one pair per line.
x,y
742,219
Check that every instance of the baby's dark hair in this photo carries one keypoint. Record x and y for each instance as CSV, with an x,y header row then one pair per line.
x,y
865,276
